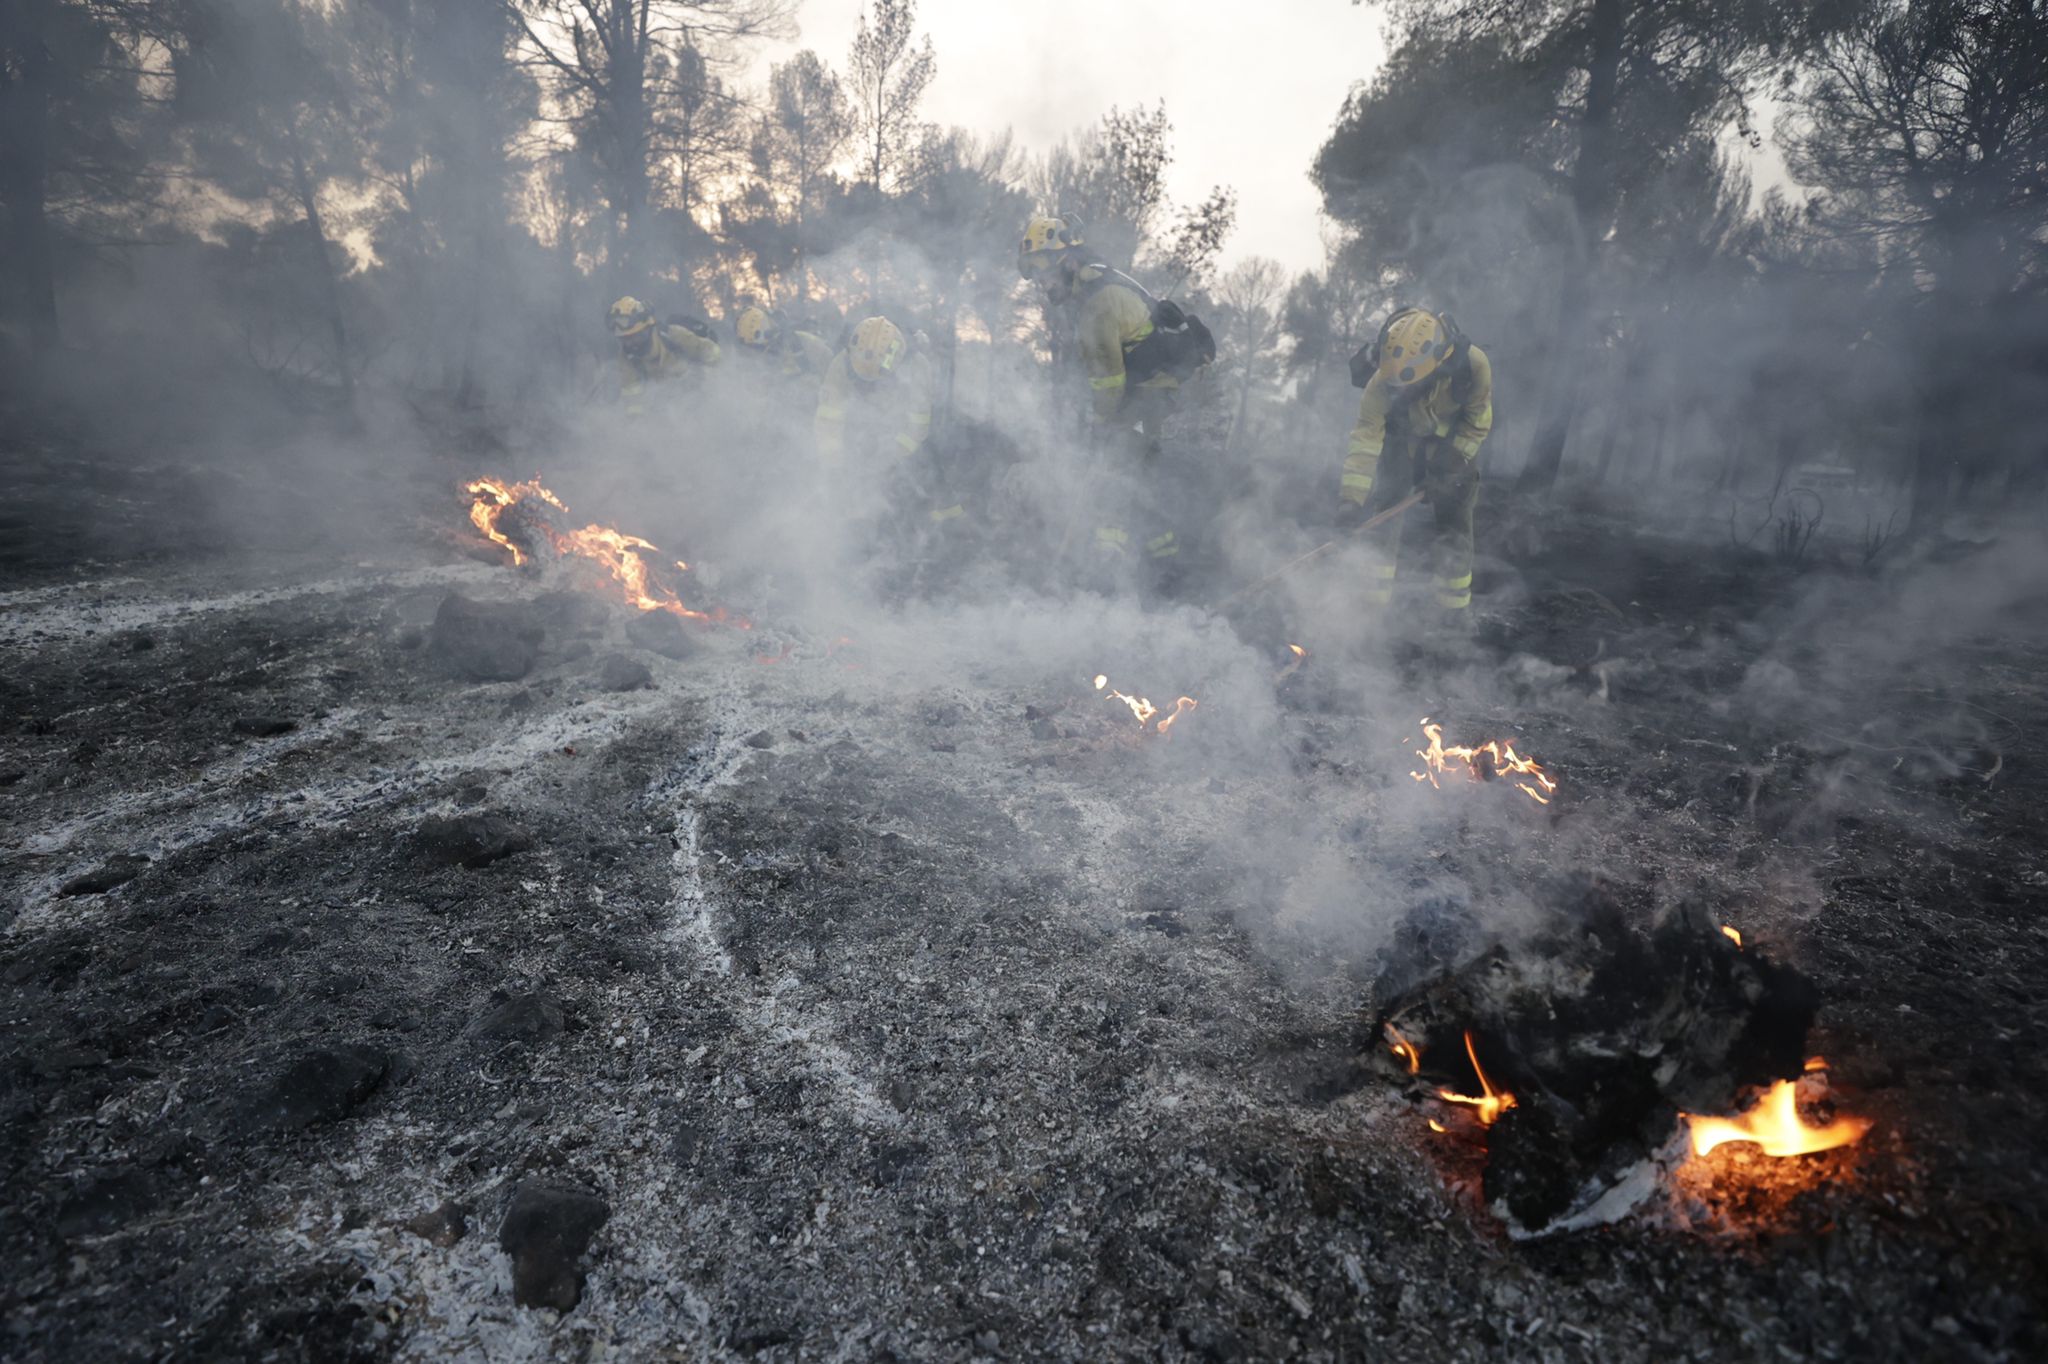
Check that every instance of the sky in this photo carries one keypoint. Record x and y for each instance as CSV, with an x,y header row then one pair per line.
x,y
1252,89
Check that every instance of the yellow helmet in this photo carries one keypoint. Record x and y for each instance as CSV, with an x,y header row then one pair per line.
x,y
755,328
1414,346
629,317
877,346
1046,239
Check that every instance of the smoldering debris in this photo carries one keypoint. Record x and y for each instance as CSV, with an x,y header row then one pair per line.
x,y
1599,1031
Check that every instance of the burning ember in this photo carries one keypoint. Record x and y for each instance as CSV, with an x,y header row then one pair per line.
x,y
619,554
1402,1048
1501,761
1776,1126
1732,934
1491,1103
1142,707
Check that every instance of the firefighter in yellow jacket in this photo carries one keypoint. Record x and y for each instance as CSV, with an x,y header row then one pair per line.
x,y
1425,411
1131,380
800,357
874,420
650,352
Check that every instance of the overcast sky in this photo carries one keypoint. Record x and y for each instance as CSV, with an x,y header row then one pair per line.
x,y
1251,86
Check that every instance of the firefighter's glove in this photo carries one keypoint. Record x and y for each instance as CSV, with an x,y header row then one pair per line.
x,y
1445,473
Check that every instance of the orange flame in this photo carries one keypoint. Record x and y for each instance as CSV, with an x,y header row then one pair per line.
x,y
1502,761
1403,1048
1142,707
1775,1125
1732,933
1294,664
618,553
494,498
1491,1103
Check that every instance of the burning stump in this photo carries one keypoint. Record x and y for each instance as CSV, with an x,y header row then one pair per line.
x,y
1578,1047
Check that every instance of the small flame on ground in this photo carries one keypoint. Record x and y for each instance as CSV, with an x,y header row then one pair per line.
x,y
1403,1048
1300,656
1491,1102
619,553
1436,1126
1775,1125
1502,760
1142,707
1732,934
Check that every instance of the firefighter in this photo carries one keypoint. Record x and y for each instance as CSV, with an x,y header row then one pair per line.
x,y
801,357
651,351
1135,365
1429,395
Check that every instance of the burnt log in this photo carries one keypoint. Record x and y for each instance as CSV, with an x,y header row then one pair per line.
x,y
1604,1027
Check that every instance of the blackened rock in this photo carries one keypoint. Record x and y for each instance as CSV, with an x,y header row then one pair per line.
x,y
661,632
264,726
105,1202
760,738
118,870
531,1019
443,1226
486,641
321,1086
620,673
472,840
546,1231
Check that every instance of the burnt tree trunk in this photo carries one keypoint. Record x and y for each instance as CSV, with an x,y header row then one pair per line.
x,y
330,289
25,165
1590,180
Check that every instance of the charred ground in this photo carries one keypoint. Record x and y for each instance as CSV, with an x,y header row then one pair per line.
x,y
943,1018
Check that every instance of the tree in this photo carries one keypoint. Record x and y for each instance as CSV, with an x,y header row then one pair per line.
x,y
76,98
1590,95
1928,130
1250,293
267,93
887,72
799,139
632,79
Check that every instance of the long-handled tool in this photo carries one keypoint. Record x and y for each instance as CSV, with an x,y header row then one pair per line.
x,y
1277,574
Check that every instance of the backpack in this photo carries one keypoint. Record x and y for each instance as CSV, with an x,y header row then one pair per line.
x,y
690,323
1179,343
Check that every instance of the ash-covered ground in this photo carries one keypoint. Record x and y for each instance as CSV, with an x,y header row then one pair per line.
x,y
904,1001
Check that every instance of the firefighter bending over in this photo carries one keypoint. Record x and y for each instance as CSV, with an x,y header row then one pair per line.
x,y
801,357
1428,394
1137,351
651,351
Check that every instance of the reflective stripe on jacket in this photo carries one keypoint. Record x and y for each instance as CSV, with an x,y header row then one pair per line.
x,y
1458,407
900,400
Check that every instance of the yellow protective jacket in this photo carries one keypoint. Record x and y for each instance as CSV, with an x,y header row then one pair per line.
x,y
805,355
672,350
899,402
1113,318
1458,406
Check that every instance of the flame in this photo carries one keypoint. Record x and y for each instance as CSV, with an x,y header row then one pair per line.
x,y
1142,707
1436,1126
618,553
1294,664
1733,934
1403,1048
1491,1103
1502,761
1775,1125
494,497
